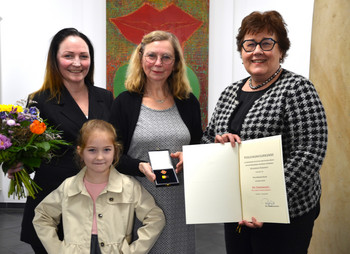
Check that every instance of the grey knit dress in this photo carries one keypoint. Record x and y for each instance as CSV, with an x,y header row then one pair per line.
x,y
158,130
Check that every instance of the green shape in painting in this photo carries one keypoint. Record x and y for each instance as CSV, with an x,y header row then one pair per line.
x,y
194,82
120,76
119,79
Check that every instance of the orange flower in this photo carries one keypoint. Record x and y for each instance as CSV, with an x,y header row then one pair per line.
x,y
37,127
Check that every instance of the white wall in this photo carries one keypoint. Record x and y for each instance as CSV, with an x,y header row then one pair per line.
x,y
28,26
225,65
26,31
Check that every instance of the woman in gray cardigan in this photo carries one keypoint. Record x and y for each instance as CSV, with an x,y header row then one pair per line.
x,y
274,101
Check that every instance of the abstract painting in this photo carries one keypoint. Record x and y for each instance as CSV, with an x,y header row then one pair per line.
x,y
128,21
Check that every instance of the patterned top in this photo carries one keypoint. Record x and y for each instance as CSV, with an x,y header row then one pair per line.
x,y
158,130
291,108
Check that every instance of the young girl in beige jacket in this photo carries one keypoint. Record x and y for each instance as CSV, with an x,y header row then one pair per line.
x,y
97,205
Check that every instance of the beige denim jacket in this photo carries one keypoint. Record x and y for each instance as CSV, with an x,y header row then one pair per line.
x,y
115,208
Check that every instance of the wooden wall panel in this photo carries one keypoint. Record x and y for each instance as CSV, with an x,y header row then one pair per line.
x,y
330,72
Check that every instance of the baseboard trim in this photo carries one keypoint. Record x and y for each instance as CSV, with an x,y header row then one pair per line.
x,y
12,205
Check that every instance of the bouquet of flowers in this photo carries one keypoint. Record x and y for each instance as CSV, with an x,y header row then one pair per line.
x,y
25,138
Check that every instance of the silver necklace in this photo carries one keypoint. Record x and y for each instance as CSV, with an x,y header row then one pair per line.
x,y
267,81
158,101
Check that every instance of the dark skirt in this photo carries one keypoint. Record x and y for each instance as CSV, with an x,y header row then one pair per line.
x,y
272,238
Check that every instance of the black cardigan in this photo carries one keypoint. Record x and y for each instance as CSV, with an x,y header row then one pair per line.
x,y
124,116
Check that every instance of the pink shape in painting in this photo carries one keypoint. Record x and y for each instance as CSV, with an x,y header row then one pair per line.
x,y
146,19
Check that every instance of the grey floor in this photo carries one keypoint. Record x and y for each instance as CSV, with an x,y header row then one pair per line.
x,y
209,237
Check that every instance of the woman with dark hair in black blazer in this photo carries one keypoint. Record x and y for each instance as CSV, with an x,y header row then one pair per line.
x,y
67,99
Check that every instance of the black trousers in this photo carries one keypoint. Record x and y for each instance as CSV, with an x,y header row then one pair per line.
x,y
272,238
95,247
39,248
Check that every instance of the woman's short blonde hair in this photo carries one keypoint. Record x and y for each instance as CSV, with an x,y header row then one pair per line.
x,y
178,82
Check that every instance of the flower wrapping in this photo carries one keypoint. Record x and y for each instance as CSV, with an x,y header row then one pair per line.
x,y
25,138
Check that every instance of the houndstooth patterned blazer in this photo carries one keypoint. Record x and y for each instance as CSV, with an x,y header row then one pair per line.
x,y
291,108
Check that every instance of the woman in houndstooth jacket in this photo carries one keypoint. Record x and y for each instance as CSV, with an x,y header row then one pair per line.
x,y
274,101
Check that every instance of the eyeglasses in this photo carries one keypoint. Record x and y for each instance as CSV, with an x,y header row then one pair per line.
x,y
165,59
266,44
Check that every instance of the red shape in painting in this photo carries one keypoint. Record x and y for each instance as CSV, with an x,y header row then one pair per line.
x,y
147,19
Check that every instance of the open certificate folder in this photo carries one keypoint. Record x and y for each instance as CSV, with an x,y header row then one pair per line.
x,y
228,184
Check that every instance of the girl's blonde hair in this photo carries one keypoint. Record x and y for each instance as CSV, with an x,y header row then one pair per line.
x,y
178,82
85,132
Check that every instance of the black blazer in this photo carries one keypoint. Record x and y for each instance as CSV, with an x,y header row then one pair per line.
x,y
67,117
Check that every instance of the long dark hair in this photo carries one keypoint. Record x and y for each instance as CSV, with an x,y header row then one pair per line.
x,y
53,79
